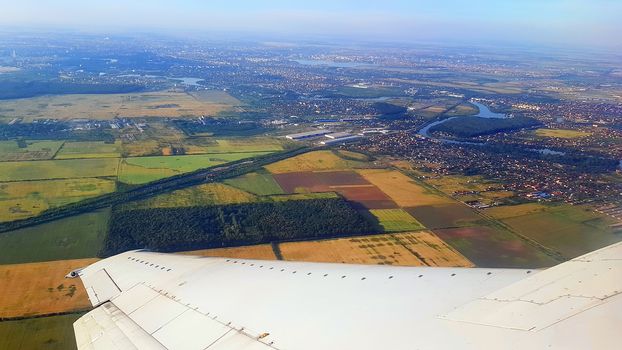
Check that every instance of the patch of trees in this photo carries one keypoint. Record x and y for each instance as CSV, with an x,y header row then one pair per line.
x,y
476,126
220,127
170,229
389,111
21,89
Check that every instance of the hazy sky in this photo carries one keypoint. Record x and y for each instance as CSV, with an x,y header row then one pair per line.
x,y
578,22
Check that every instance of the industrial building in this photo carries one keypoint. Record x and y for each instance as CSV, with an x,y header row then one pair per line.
x,y
308,134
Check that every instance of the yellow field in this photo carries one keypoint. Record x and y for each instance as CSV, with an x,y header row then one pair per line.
x,y
260,252
109,106
562,133
207,194
511,211
386,249
41,288
312,161
24,199
402,189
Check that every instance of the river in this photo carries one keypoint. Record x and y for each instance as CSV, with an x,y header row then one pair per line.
x,y
484,112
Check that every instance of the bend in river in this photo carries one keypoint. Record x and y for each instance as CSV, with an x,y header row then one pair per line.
x,y
484,112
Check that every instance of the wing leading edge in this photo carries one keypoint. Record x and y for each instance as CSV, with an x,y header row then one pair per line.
x,y
164,301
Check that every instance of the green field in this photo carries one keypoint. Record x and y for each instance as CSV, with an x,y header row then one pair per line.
x,y
260,183
29,150
58,169
561,133
93,149
145,169
445,215
46,333
396,220
74,237
570,230
201,195
24,199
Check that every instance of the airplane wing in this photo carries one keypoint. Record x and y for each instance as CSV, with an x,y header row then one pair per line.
x,y
148,300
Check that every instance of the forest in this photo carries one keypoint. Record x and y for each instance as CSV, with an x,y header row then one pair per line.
x,y
174,229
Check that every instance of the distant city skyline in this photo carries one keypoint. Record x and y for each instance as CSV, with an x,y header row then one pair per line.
x,y
537,22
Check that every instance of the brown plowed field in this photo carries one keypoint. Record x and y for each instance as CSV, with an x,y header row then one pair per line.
x,y
347,183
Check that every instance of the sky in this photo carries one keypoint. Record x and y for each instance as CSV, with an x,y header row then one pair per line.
x,y
539,22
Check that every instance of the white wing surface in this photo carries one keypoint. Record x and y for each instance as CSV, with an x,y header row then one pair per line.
x,y
163,301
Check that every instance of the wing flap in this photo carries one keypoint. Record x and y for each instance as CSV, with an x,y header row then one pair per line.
x,y
556,294
101,287
180,332
107,327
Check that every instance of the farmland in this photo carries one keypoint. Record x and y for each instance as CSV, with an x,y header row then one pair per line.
x,y
349,184
318,181
141,148
510,211
200,145
462,109
207,194
49,333
259,183
402,189
569,230
28,198
145,169
313,161
74,237
469,188
561,133
422,248
41,288
494,247
92,149
444,215
58,169
28,150
109,106
396,220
